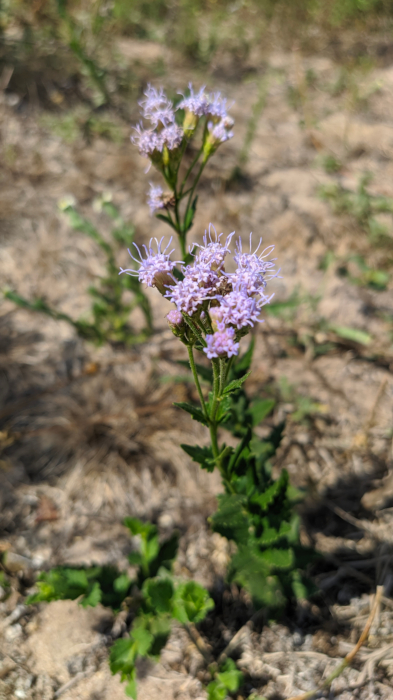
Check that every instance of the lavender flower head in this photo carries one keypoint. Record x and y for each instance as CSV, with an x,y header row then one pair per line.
x,y
171,136
251,262
147,140
187,295
239,310
196,103
212,253
156,267
202,104
157,108
220,132
221,343
155,198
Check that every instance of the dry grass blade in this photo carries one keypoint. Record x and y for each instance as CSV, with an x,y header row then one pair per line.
x,y
349,657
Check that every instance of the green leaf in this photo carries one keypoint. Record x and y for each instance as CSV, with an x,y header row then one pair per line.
x,y
195,412
230,676
354,334
277,488
229,520
278,558
93,597
159,593
235,384
151,549
250,571
191,603
135,558
260,409
201,455
137,527
166,553
224,406
122,584
141,637
167,221
131,689
216,691
122,656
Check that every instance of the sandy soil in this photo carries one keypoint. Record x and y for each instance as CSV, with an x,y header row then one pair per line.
x,y
90,435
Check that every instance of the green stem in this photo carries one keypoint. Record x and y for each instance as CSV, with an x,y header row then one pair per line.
x,y
200,171
194,329
196,380
189,171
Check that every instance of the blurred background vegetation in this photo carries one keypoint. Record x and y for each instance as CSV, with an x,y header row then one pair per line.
x,y
74,38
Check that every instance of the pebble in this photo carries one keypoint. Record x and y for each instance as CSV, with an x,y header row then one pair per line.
x,y
12,633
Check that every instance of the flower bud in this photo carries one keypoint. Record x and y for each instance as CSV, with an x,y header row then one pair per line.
x,y
190,123
162,280
176,323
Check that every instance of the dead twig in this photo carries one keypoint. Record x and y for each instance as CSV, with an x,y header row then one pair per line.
x,y
349,657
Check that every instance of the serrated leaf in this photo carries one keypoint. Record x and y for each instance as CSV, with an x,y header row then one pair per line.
x,y
194,411
232,680
277,488
159,593
216,691
235,384
230,676
142,638
250,571
271,534
229,520
76,577
260,409
122,656
278,558
201,455
191,602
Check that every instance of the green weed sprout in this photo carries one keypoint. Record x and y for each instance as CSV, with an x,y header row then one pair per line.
x,y
152,599
109,312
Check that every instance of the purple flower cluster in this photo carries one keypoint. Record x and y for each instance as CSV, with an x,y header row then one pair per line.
x,y
163,131
205,104
160,112
222,304
156,266
221,344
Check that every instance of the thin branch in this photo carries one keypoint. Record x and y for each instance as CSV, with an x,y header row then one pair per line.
x,y
349,657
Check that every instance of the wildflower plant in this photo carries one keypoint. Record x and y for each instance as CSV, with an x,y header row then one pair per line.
x,y
212,306
169,134
214,309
